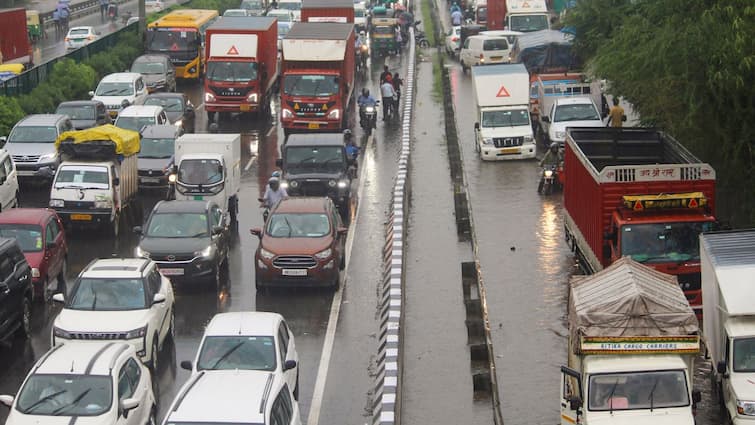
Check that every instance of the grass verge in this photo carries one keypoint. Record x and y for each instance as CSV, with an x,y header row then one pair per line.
x,y
428,22
437,78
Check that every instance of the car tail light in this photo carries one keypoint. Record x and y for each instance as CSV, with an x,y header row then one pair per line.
x,y
454,39
67,39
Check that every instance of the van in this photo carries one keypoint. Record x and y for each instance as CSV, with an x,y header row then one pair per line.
x,y
8,182
120,90
484,50
138,116
31,144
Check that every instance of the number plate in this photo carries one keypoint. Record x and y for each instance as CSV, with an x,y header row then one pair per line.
x,y
198,197
294,272
496,58
510,150
151,179
81,217
314,125
172,272
245,108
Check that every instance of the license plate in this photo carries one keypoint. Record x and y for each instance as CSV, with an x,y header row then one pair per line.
x,y
294,272
314,125
81,217
496,58
172,272
245,108
151,179
511,150
198,197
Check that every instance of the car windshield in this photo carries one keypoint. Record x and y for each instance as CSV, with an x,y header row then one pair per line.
x,y
33,134
178,225
283,29
383,29
108,294
638,390
65,395
663,242
172,40
310,85
582,112
82,177
744,355
28,236
235,12
134,123
232,71
200,171
147,68
529,23
78,31
495,44
482,14
289,5
289,225
157,148
505,118
237,352
115,89
169,104
302,159
79,112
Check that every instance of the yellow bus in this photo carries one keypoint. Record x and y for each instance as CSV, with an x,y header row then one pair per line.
x,y
180,35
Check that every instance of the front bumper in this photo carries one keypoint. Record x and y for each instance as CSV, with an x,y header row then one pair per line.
x,y
231,107
304,124
320,275
85,217
490,153
339,196
195,268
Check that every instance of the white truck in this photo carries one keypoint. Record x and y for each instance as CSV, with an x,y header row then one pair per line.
x,y
527,15
97,181
633,339
503,129
727,264
208,166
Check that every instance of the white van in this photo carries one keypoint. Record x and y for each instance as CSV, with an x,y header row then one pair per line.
x,y
119,90
139,116
484,50
8,181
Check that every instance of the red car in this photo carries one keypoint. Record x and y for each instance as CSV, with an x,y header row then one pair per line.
x,y
302,243
41,236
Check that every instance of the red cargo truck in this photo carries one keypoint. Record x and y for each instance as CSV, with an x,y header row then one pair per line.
x,y
241,64
14,38
496,14
637,192
317,75
327,11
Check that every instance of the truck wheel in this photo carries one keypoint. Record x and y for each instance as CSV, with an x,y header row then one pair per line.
x,y
24,326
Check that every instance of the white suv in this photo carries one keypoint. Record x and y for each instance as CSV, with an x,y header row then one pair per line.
x,y
136,117
97,384
248,341
570,112
118,299
229,398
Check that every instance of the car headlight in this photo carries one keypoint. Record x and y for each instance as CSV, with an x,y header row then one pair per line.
x,y
139,252
342,184
61,333
487,141
286,113
528,139
252,98
172,178
47,156
35,272
548,173
560,134
208,252
57,203
209,97
293,183
334,114
136,333
284,184
103,203
746,408
324,254
267,255
332,183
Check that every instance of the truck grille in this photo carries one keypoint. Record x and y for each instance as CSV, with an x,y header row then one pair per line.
x,y
303,109
98,335
294,262
25,158
230,91
505,142
78,205
316,188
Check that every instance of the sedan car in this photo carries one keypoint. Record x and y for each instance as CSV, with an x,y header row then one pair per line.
x,y
41,237
187,239
158,146
157,70
85,113
177,106
452,40
152,6
80,37
302,243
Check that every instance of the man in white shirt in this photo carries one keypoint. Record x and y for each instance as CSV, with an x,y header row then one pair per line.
x,y
387,92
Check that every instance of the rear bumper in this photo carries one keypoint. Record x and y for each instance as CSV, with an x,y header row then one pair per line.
x,y
317,276
303,124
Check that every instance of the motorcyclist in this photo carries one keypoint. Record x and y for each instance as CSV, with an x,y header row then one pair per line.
x,y
365,99
361,48
553,157
361,39
273,193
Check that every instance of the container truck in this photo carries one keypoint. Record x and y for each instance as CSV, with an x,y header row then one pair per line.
x,y
318,76
637,192
527,15
503,129
208,167
496,15
633,340
97,181
728,272
327,11
14,38
242,65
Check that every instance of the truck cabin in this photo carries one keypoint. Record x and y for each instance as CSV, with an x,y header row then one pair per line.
x,y
85,176
654,389
200,175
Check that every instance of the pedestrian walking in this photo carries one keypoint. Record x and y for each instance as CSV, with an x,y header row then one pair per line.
x,y
397,83
103,9
56,22
387,92
616,115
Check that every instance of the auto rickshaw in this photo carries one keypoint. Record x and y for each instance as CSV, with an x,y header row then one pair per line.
x,y
10,70
383,36
33,26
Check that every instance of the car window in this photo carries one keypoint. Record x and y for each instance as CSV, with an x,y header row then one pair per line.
x,y
217,216
8,165
139,84
125,388
282,342
133,372
495,44
3,173
6,267
280,414
466,43
154,281
50,232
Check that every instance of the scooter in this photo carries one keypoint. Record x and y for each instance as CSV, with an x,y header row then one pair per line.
x,y
368,114
548,180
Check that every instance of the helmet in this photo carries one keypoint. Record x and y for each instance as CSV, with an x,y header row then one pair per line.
x,y
347,133
554,146
362,33
365,92
275,174
274,182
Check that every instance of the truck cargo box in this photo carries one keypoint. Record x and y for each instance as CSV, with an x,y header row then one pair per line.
x,y
327,11
545,51
14,38
316,42
101,143
501,85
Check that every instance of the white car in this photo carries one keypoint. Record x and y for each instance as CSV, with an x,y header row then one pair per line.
x,y
293,6
452,40
80,37
137,117
250,341
282,15
484,50
119,90
96,384
235,12
123,299
570,112
153,6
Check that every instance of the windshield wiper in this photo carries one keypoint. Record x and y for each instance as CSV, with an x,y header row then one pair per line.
x,y
94,299
304,160
287,225
75,401
610,396
655,384
226,354
43,399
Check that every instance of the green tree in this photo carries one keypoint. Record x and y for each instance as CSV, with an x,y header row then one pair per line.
x,y
10,113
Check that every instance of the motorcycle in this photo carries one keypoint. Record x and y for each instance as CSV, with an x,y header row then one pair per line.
x,y
362,55
368,117
548,180
419,36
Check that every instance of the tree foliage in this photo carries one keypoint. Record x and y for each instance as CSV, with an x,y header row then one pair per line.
x,y
67,81
10,113
687,66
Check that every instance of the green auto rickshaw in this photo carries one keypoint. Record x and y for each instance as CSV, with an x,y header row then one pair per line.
x,y
33,26
383,36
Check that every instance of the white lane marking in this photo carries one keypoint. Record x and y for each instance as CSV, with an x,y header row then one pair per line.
x,y
272,127
249,164
335,310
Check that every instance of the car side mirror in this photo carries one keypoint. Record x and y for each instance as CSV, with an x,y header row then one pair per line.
x,y
7,400
256,231
158,299
575,403
116,181
138,230
91,93
290,364
697,397
546,118
476,126
279,162
216,230
59,298
128,404
185,364
3,140
342,231
721,367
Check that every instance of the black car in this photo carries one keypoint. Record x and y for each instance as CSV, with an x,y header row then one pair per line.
x,y
316,164
15,291
188,240
156,156
177,106
85,113
157,70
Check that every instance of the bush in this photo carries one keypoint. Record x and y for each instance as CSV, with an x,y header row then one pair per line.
x,y
68,81
118,58
10,113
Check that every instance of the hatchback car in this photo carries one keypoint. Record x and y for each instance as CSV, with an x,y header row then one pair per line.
x,y
119,90
187,239
248,340
484,50
158,147
138,116
31,143
91,383
40,235
15,291
302,243
177,106
85,113
452,40
123,299
157,70
80,37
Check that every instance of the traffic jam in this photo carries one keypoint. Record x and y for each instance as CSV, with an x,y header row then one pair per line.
x,y
205,232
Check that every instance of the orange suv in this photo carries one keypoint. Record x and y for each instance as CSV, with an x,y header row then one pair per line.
x,y
302,243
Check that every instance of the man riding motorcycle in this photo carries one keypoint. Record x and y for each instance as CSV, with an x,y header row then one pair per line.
x,y
365,99
550,164
553,157
362,49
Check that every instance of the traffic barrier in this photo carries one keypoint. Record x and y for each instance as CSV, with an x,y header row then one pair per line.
x,y
386,406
